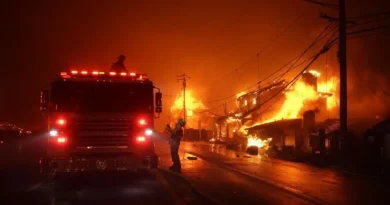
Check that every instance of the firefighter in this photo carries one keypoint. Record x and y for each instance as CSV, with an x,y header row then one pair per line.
x,y
176,135
119,65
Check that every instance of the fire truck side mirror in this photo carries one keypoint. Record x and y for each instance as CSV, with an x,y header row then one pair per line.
x,y
44,100
158,103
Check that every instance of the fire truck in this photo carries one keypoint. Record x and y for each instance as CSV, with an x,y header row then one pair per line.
x,y
100,122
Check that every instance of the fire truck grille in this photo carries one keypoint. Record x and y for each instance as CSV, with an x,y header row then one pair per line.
x,y
102,133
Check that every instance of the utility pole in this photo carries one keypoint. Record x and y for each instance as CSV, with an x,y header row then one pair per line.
x,y
342,55
343,73
183,78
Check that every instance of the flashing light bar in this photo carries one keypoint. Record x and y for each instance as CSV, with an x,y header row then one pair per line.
x,y
84,73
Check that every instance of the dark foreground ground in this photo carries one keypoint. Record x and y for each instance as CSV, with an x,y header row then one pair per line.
x,y
219,176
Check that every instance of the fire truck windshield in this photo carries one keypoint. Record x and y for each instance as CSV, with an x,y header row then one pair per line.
x,y
101,97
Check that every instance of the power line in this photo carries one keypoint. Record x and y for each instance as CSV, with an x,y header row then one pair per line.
x,y
333,6
318,39
367,35
296,59
323,50
265,47
230,96
370,15
369,29
373,21
326,48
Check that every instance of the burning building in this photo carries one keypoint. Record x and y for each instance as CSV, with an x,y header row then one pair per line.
x,y
276,111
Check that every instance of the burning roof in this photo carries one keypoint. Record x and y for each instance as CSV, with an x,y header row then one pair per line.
x,y
287,104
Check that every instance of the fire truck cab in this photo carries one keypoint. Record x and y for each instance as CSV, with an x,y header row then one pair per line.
x,y
100,121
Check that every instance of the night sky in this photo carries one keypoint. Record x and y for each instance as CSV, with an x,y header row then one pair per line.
x,y
207,40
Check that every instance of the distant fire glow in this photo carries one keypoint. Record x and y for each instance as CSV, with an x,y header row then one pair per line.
x,y
193,106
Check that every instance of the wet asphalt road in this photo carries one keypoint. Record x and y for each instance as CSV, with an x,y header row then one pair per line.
x,y
321,185
218,174
21,183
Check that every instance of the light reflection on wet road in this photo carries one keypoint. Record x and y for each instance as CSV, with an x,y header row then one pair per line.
x,y
225,186
212,175
324,184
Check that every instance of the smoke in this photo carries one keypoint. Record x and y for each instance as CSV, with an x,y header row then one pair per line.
x,y
368,94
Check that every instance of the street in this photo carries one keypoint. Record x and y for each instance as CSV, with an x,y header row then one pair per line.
x,y
219,176
23,184
322,185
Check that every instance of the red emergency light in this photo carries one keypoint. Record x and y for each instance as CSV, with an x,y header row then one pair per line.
x,y
142,122
61,121
61,140
100,74
141,139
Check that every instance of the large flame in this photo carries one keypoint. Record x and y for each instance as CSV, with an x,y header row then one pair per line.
x,y
295,101
193,106
297,98
300,95
257,142
330,86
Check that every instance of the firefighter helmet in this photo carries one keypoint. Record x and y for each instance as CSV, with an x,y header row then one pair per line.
x,y
181,122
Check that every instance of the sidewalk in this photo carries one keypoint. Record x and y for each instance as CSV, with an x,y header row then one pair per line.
x,y
325,184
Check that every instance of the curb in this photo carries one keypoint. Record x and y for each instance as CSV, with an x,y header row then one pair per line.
x,y
193,188
272,183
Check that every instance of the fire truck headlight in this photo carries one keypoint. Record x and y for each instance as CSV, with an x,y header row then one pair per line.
x,y
53,133
148,132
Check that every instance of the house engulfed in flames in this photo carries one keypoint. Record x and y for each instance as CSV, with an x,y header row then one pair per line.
x,y
273,114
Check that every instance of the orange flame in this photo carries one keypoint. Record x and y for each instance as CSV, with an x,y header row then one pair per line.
x,y
192,107
257,142
330,87
295,101
299,97
240,94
